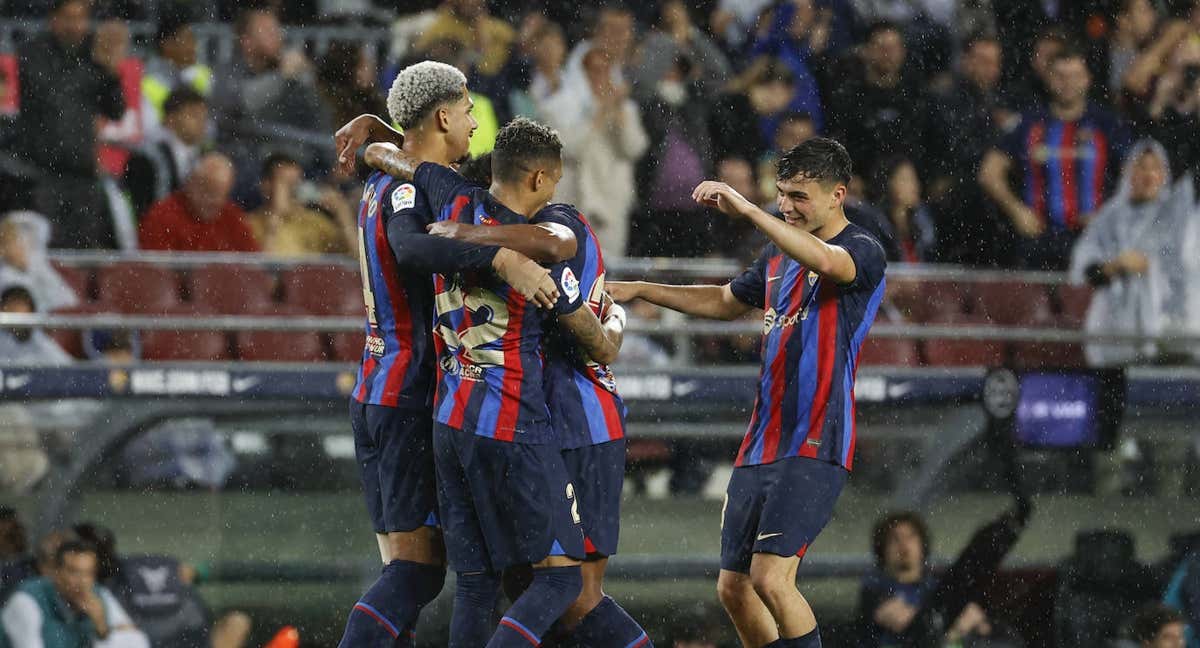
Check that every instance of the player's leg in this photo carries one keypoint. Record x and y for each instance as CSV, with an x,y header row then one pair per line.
x,y
751,618
535,522
396,464
800,497
739,528
477,586
596,620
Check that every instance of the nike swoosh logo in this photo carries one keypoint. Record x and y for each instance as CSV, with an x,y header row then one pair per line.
x,y
764,536
770,279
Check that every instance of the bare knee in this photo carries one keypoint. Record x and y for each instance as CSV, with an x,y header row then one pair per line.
x,y
772,585
734,589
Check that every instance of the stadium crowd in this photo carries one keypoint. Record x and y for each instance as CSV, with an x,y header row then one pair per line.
x,y
987,132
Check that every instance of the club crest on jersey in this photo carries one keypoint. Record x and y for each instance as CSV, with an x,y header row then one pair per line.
x,y
570,285
404,197
812,278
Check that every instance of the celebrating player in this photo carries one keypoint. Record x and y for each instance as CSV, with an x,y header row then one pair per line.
x,y
390,408
820,282
505,493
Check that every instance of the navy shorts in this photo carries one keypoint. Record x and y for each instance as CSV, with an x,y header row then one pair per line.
x,y
777,508
394,449
598,473
503,504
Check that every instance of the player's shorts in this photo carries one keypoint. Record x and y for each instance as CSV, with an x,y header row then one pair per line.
x,y
777,508
598,473
394,449
503,504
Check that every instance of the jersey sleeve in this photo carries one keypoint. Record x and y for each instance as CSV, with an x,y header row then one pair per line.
x,y
869,262
406,210
1012,142
571,276
750,287
440,184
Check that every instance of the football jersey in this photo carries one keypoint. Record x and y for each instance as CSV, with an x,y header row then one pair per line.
x,y
585,408
488,337
396,258
813,330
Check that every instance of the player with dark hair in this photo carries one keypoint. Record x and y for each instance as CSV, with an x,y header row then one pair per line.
x,y
391,399
507,498
820,282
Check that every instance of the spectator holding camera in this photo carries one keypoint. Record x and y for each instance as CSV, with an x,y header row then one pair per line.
x,y
286,226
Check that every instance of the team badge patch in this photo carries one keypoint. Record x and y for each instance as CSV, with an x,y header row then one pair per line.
x,y
570,285
404,197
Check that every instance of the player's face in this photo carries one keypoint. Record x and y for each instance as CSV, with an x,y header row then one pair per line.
x,y
546,182
1149,176
806,203
460,124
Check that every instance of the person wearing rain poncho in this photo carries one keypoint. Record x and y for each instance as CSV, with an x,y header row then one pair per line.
x,y
24,238
1138,252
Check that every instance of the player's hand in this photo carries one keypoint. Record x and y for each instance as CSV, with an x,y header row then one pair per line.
x,y
711,193
449,229
615,315
529,279
621,291
354,134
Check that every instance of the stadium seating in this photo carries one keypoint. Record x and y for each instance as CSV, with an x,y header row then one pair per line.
x,y
170,345
323,290
280,346
232,289
79,279
346,347
137,288
888,351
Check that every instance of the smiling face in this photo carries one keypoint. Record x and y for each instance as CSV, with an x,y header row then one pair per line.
x,y
809,204
460,124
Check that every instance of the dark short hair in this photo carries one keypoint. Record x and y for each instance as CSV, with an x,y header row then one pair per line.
x,y
1069,53
1150,621
182,97
521,143
18,292
818,158
276,161
478,170
173,18
888,523
242,22
73,545
55,5
880,26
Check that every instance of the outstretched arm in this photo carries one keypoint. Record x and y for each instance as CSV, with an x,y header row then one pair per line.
x,y
542,242
601,341
711,302
359,131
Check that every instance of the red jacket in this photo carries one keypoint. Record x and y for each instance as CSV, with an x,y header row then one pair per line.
x,y
170,225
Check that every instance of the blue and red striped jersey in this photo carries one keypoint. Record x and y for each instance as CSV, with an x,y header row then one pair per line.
x,y
813,330
585,407
396,259
1067,169
488,336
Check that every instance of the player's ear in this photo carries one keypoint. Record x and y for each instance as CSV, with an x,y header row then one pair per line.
x,y
839,195
443,119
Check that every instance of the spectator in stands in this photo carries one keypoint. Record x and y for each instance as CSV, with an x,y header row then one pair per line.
x,y
797,36
612,35
1158,626
13,543
41,563
793,129
675,38
910,220
265,86
603,137
158,594
174,64
1032,88
200,216
737,23
1134,25
347,80
972,113
1172,113
26,345
66,80
1067,153
1133,253
68,609
545,49
680,156
24,238
746,118
1025,28
286,226
892,596
488,40
880,111
159,167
